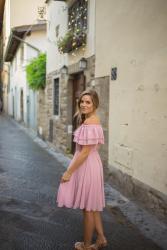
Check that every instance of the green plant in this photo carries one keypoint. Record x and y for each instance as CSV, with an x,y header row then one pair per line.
x,y
71,41
64,43
36,72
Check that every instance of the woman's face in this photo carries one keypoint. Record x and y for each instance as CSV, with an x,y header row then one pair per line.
x,y
86,105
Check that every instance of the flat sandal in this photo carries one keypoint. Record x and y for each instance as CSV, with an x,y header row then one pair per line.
x,y
99,244
81,246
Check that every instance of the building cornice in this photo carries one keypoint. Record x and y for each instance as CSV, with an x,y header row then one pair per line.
x,y
17,35
34,27
12,45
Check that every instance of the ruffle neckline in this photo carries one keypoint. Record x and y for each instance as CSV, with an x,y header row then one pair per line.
x,y
89,134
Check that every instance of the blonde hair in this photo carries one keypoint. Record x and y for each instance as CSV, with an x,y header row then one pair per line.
x,y
95,99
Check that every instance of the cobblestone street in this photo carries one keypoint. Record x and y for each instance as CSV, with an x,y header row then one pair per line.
x,y
29,218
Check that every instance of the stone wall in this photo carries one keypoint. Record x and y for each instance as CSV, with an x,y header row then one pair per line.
x,y
149,198
56,129
60,124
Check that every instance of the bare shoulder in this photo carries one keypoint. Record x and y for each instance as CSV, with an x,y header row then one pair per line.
x,y
92,120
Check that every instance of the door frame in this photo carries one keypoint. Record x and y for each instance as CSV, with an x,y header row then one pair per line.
x,y
78,86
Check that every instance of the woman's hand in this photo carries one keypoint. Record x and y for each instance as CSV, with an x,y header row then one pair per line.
x,y
66,176
76,164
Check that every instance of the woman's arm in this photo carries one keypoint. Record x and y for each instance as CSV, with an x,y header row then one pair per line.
x,y
77,163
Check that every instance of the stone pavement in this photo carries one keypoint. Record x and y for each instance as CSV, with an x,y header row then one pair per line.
x,y
29,219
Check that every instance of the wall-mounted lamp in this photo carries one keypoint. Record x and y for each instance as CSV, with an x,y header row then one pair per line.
x,y
64,70
83,63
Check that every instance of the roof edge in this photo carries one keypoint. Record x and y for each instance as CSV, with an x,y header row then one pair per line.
x,y
32,27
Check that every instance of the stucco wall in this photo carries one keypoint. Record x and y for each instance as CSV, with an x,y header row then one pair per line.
x,y
6,23
131,35
38,39
57,16
5,80
24,12
18,79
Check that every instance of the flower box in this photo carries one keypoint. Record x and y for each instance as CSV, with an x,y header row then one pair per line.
x,y
71,41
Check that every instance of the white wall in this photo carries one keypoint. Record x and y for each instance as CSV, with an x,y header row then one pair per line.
x,y
6,23
38,39
18,13
57,15
18,79
24,12
17,82
131,35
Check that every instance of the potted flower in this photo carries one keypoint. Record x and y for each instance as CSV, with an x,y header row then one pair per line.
x,y
71,41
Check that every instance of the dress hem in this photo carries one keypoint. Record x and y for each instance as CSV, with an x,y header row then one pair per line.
x,y
94,210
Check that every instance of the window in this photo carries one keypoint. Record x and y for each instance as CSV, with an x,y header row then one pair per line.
x,y
77,28
56,97
77,18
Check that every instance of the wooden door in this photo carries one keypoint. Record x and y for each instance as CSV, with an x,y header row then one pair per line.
x,y
78,87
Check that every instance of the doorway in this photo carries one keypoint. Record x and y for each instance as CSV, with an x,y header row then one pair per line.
x,y
21,106
78,85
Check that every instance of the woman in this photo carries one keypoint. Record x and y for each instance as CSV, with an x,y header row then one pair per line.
x,y
82,184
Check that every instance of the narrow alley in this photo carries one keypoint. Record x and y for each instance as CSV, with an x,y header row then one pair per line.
x,y
29,218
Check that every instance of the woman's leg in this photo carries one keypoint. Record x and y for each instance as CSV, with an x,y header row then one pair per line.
x,y
99,226
89,227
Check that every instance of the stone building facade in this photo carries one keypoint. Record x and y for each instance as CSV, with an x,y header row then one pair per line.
x,y
58,128
58,131
126,65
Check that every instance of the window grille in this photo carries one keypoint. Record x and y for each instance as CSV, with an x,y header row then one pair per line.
x,y
77,17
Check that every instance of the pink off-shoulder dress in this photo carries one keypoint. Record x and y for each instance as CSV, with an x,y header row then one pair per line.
x,y
85,190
